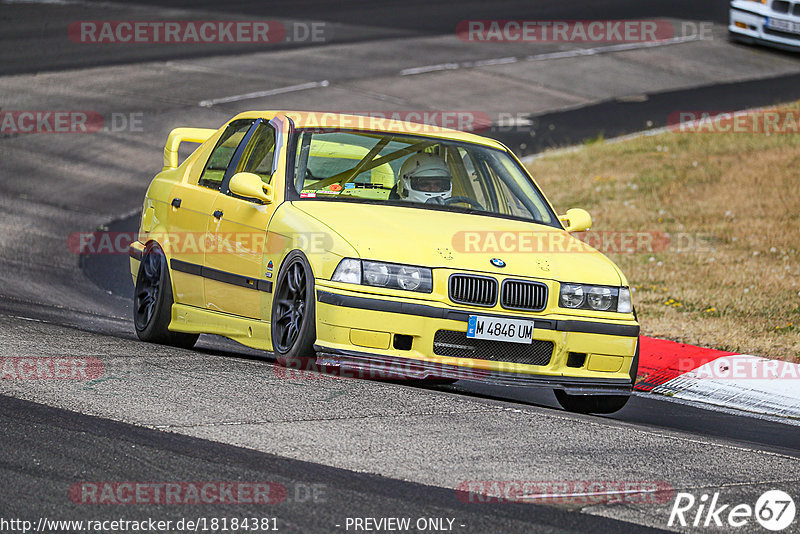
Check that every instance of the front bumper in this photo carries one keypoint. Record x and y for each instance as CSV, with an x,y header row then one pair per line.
x,y
748,23
360,331
374,366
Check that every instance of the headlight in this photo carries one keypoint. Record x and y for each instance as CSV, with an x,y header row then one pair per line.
x,y
571,295
410,278
388,275
375,274
599,298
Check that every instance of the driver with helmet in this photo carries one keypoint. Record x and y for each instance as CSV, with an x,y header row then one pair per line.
x,y
424,178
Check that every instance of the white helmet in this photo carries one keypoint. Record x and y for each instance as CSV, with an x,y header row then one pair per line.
x,y
425,178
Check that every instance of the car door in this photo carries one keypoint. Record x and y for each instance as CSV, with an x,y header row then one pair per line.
x,y
192,203
237,276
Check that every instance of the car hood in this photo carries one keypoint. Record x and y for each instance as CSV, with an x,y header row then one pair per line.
x,y
463,241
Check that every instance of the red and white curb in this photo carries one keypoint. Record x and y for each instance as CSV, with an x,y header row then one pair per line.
x,y
724,379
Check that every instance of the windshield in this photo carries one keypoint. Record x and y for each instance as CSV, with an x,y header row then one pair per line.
x,y
415,171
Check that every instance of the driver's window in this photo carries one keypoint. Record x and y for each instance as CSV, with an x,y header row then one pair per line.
x,y
223,153
260,153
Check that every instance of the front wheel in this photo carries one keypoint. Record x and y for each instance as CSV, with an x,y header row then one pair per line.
x,y
294,329
591,403
152,302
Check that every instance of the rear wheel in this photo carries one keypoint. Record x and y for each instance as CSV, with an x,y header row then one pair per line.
x,y
294,328
152,302
591,403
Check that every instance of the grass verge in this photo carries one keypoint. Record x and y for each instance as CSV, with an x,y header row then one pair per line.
x,y
724,210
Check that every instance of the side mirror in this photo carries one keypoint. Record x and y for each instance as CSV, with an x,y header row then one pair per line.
x,y
249,185
576,220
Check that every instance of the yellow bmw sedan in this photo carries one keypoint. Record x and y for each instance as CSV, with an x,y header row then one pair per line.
x,y
380,246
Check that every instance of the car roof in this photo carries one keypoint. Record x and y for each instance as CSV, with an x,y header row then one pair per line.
x,y
324,119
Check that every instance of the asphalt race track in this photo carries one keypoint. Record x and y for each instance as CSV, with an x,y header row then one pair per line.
x,y
338,448
317,497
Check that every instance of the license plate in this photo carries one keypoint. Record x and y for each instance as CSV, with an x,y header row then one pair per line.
x,y
783,25
500,329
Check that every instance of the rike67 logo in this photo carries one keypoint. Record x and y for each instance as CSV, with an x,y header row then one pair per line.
x,y
774,510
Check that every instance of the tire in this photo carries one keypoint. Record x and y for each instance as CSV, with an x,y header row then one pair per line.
x,y
152,302
591,403
293,321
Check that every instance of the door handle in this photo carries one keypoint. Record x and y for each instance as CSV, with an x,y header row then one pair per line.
x,y
218,214
176,203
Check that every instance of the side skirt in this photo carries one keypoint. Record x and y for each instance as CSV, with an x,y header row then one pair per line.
x,y
250,332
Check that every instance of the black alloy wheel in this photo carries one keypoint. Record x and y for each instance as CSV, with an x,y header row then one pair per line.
x,y
152,302
293,318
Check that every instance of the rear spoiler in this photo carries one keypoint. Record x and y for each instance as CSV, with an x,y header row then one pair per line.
x,y
179,135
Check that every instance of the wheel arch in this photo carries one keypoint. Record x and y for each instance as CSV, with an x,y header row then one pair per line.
x,y
151,241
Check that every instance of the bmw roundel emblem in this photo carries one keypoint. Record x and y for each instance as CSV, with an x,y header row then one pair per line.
x,y
497,262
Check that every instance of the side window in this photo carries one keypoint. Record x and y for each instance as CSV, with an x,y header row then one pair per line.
x,y
222,154
260,153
